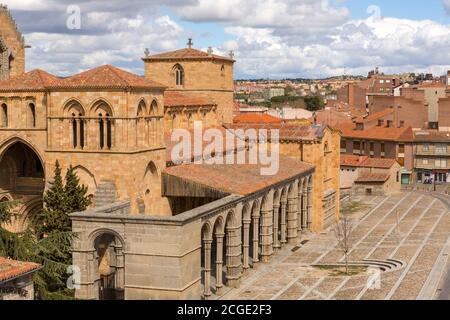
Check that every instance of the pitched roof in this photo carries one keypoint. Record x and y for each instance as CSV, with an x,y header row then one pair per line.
x,y
403,134
103,77
35,80
256,118
238,179
177,99
286,131
11,269
366,162
107,76
186,53
431,136
378,115
372,177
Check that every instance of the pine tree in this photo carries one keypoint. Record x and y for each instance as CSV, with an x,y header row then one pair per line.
x,y
76,199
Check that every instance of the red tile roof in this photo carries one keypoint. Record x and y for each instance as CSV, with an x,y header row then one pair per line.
x,y
104,77
403,134
366,162
238,179
256,118
431,136
187,53
35,80
11,269
378,115
177,99
372,177
109,77
286,131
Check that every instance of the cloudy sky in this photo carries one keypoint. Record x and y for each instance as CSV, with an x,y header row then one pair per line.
x,y
271,38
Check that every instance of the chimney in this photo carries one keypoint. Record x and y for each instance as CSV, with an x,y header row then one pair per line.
x,y
351,97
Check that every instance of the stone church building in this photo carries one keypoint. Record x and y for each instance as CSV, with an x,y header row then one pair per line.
x,y
156,230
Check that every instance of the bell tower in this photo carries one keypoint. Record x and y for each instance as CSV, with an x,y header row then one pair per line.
x,y
12,46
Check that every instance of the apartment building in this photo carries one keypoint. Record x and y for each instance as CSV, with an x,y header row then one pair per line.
x,y
431,157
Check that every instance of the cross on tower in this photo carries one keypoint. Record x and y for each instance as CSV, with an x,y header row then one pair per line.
x,y
147,52
231,54
190,43
210,51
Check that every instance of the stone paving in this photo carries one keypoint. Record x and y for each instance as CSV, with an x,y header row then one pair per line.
x,y
408,226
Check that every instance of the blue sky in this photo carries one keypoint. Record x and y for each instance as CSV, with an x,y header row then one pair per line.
x,y
271,38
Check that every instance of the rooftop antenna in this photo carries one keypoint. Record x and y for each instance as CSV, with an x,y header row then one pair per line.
x,y
190,44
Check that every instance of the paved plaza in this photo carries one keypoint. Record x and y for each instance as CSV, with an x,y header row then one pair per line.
x,y
410,228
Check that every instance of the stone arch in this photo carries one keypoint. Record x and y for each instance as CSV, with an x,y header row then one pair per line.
x,y
28,213
152,188
87,178
142,108
17,139
31,115
101,106
73,107
107,269
3,115
154,108
179,75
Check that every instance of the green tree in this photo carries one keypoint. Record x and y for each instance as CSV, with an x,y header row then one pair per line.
x,y
314,103
76,194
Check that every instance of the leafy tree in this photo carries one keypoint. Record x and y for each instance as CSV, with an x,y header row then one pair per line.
x,y
314,103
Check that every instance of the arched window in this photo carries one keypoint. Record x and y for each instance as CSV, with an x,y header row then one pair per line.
x,y
31,115
141,109
4,116
104,112
75,113
154,108
74,131
179,75
105,131
326,148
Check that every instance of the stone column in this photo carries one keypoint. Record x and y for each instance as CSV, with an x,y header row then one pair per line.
x,y
255,241
309,209
120,272
299,213
292,212
283,224
233,257
246,244
276,212
219,263
305,211
267,231
207,270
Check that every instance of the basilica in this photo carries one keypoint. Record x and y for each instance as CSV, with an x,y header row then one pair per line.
x,y
157,229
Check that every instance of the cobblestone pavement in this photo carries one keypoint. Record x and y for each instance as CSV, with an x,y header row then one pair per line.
x,y
409,227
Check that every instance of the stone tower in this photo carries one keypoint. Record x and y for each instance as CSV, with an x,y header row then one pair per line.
x,y
12,46
196,73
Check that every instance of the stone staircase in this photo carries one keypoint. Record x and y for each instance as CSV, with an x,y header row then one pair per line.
x,y
105,194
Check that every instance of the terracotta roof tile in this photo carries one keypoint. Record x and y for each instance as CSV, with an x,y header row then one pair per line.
x,y
187,53
11,269
286,131
372,177
431,136
366,162
177,99
403,134
256,118
378,115
34,80
106,76
238,179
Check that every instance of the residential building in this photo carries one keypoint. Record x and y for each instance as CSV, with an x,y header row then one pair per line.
x,y
431,156
370,176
